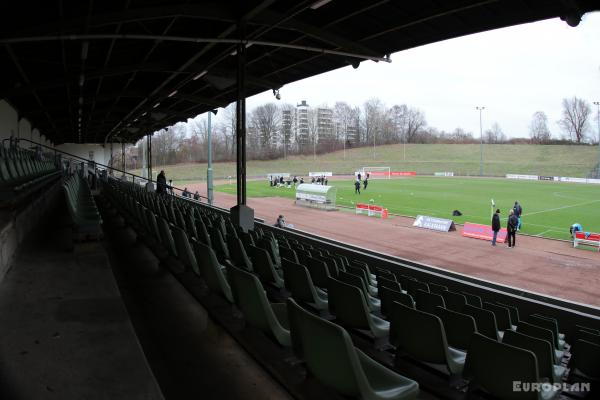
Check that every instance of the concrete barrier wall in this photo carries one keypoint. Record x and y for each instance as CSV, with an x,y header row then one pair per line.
x,y
16,225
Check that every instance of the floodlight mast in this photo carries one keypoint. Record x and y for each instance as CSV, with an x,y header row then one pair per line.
x,y
480,109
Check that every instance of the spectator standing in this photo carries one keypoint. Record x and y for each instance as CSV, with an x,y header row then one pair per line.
x,y
295,180
301,180
518,212
495,225
161,183
366,183
511,229
170,187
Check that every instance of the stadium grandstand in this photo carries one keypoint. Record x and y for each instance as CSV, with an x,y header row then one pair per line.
x,y
110,288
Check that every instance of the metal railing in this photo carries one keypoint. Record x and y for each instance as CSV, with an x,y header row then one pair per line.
x,y
169,188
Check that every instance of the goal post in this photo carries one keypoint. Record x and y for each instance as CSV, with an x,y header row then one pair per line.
x,y
376,172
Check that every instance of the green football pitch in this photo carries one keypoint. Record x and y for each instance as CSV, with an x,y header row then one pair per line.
x,y
549,208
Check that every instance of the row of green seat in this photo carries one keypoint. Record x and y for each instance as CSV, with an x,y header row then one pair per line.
x,y
84,214
261,258
21,172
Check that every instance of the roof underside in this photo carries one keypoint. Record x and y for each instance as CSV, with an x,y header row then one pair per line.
x,y
68,63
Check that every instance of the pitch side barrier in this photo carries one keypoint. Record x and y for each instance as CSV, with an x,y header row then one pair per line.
x,y
568,313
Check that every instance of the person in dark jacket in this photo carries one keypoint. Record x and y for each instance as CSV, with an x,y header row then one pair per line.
x,y
495,225
161,183
518,212
511,229
357,186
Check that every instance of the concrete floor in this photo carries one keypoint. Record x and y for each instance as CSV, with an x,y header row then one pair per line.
x,y
64,330
191,356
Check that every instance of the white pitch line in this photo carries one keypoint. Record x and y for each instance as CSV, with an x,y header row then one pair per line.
x,y
562,208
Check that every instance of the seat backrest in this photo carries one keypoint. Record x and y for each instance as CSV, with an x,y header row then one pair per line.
x,y
473,299
413,286
427,302
514,312
587,335
262,264
502,315
388,296
298,281
238,254
347,303
388,283
436,288
318,271
454,301
421,334
485,320
495,366
541,348
585,358
250,298
326,348
184,249
288,253
547,323
353,280
458,327
536,331
166,237
211,270
384,280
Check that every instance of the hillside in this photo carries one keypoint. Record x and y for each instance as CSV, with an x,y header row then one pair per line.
x,y
462,159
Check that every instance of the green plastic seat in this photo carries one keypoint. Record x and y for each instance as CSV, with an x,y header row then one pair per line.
x,y
389,296
585,361
298,281
389,283
210,269
458,327
548,323
514,312
238,254
269,244
289,254
369,284
251,300
541,333
332,358
219,245
184,249
413,285
318,271
495,367
422,336
166,238
373,303
436,288
427,302
473,299
264,267
454,301
543,353
485,320
589,335
502,315
347,302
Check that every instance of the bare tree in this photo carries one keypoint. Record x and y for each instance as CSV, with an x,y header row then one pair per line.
x,y
538,129
494,134
229,129
576,113
265,123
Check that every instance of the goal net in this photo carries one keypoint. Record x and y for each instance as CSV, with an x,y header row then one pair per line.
x,y
375,172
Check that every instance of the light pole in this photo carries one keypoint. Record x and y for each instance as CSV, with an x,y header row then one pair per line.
x,y
480,109
209,171
597,103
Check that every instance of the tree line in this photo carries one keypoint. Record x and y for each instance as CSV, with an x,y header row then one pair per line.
x,y
278,130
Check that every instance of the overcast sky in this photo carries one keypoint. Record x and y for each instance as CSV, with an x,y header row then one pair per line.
x,y
512,72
